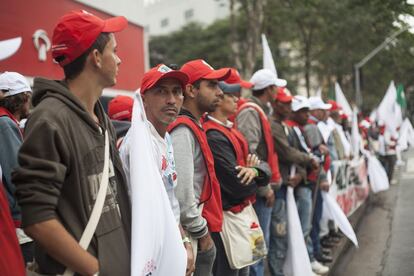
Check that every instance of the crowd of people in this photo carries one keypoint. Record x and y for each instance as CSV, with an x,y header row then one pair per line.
x,y
226,162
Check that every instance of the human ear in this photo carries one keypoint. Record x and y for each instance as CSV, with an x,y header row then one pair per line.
x,y
96,58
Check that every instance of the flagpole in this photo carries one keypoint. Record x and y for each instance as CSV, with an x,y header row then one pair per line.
x,y
357,66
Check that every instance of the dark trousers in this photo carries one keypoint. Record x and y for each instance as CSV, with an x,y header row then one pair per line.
x,y
388,162
27,251
317,215
221,264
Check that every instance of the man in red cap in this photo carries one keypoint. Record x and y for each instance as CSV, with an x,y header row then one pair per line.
x,y
287,146
162,93
69,146
198,190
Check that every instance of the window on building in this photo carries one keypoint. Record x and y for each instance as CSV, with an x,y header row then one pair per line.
x,y
164,22
188,14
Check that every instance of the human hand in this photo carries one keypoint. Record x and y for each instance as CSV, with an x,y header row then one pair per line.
x,y
323,149
314,164
246,174
206,242
190,259
324,185
252,160
295,180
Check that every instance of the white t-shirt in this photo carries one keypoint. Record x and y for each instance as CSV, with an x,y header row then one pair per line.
x,y
163,151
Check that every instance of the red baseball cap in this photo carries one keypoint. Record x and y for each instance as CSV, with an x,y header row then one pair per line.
x,y
199,69
236,78
334,105
77,31
283,95
120,108
159,72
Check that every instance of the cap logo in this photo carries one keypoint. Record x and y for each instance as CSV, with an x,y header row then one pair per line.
x,y
164,69
205,63
86,12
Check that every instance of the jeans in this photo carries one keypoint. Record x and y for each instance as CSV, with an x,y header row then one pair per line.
x,y
221,264
278,238
205,261
263,213
317,215
304,204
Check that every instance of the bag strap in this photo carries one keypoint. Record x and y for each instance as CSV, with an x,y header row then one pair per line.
x,y
97,207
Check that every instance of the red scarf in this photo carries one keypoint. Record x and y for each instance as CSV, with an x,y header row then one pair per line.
x,y
272,158
6,112
210,195
241,150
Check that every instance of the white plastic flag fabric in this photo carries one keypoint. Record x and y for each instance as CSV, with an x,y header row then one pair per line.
x,y
406,137
342,101
156,248
268,62
297,261
318,93
389,111
334,212
377,175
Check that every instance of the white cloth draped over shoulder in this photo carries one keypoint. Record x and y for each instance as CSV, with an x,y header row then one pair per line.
x,y
156,248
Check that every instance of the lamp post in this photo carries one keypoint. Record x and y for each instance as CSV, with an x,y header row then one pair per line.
x,y
357,66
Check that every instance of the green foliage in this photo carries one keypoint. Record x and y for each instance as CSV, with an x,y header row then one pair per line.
x,y
193,42
321,38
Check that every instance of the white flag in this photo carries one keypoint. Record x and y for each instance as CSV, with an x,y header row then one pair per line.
x,y
378,178
156,248
342,101
389,111
297,261
334,212
268,62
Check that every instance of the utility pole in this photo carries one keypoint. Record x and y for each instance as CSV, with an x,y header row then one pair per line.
x,y
357,66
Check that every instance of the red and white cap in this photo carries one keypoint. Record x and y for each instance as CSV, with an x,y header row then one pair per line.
x,y
77,31
283,95
199,69
120,108
159,72
235,78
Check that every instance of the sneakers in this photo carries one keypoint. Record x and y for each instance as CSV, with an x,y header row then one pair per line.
x,y
318,268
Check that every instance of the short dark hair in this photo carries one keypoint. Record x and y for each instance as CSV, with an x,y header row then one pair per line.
x,y
73,69
258,93
14,103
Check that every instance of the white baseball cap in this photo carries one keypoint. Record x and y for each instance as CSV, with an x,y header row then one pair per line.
x,y
264,78
299,102
317,103
13,83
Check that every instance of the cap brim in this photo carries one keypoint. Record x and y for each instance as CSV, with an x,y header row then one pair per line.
x,y
246,84
285,99
220,74
178,75
300,108
326,106
115,24
229,88
280,82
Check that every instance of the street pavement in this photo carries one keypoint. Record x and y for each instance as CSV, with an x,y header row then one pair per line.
x,y
385,232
